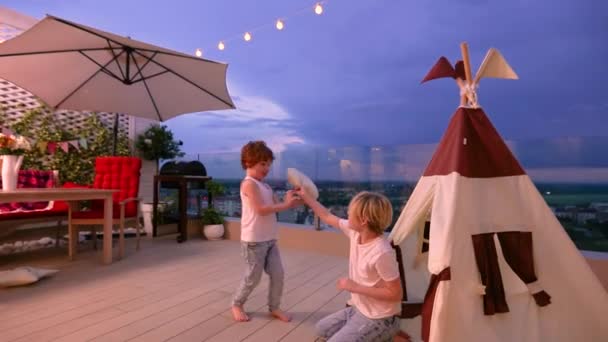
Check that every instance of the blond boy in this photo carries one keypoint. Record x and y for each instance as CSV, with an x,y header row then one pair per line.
x,y
373,280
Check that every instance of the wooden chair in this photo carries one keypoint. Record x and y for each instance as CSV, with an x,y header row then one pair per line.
x,y
117,173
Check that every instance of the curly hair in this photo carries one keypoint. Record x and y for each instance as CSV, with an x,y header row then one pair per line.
x,y
254,152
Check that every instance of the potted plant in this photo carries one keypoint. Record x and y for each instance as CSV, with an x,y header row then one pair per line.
x,y
214,189
213,224
156,143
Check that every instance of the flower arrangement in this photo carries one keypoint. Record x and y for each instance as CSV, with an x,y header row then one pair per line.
x,y
13,145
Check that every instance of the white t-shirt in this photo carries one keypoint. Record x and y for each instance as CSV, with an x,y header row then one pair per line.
x,y
369,264
254,227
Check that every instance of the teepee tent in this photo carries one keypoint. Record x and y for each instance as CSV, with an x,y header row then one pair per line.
x,y
480,247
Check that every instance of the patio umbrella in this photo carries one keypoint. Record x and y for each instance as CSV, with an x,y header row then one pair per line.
x,y
72,66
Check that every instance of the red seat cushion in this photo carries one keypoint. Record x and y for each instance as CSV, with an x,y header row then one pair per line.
x,y
34,214
30,179
62,205
117,173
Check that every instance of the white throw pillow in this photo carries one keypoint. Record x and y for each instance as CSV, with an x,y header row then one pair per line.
x,y
23,276
300,180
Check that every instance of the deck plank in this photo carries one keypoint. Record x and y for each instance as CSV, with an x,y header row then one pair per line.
x,y
164,292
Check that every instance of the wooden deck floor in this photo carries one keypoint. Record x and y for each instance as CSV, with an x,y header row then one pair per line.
x,y
165,292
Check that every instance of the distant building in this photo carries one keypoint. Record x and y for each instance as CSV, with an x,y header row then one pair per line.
x,y
599,206
584,215
602,217
562,213
229,205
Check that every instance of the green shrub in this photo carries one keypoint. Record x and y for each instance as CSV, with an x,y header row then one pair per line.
x,y
211,216
76,165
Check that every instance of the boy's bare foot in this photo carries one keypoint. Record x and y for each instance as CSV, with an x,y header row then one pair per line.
x,y
280,314
238,314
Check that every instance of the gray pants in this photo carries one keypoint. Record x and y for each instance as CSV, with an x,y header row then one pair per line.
x,y
261,256
349,325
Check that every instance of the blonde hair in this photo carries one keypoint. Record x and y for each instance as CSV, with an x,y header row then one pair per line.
x,y
374,208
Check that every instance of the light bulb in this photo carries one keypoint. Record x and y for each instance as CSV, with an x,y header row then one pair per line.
x,y
280,25
221,46
318,9
247,36
198,52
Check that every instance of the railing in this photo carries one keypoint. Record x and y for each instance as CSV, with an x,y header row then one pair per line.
x,y
570,173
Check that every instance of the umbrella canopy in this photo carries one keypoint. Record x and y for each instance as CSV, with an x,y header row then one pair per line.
x,y
72,66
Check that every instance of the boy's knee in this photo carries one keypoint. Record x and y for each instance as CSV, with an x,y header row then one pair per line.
x,y
276,274
318,331
321,329
253,279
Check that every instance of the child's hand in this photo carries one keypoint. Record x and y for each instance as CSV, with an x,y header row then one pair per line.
x,y
302,194
346,284
292,199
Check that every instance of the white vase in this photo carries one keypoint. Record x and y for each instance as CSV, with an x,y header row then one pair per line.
x,y
213,231
10,171
146,211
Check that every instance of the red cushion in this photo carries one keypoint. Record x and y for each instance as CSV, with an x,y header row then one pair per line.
x,y
118,173
34,214
30,179
62,205
70,185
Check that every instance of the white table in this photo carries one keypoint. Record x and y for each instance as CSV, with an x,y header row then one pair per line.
x,y
70,195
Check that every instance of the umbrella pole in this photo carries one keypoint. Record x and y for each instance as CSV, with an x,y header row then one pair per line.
x,y
115,134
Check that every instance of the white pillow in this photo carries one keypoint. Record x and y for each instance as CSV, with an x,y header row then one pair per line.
x,y
300,180
23,276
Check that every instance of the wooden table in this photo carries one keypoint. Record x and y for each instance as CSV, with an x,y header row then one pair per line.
x,y
182,180
71,196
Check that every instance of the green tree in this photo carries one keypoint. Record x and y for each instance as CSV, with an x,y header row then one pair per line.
x,y
157,143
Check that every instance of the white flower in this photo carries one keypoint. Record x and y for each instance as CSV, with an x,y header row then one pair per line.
x,y
22,143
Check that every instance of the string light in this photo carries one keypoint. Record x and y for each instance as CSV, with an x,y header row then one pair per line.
x,y
318,8
279,24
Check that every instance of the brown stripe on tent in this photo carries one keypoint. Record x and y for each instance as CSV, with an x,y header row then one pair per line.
x,y
487,263
517,250
408,310
472,147
429,301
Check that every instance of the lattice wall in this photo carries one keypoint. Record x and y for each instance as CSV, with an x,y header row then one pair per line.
x,y
15,102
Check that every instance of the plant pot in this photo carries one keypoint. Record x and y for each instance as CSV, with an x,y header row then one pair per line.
x,y
146,212
213,231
